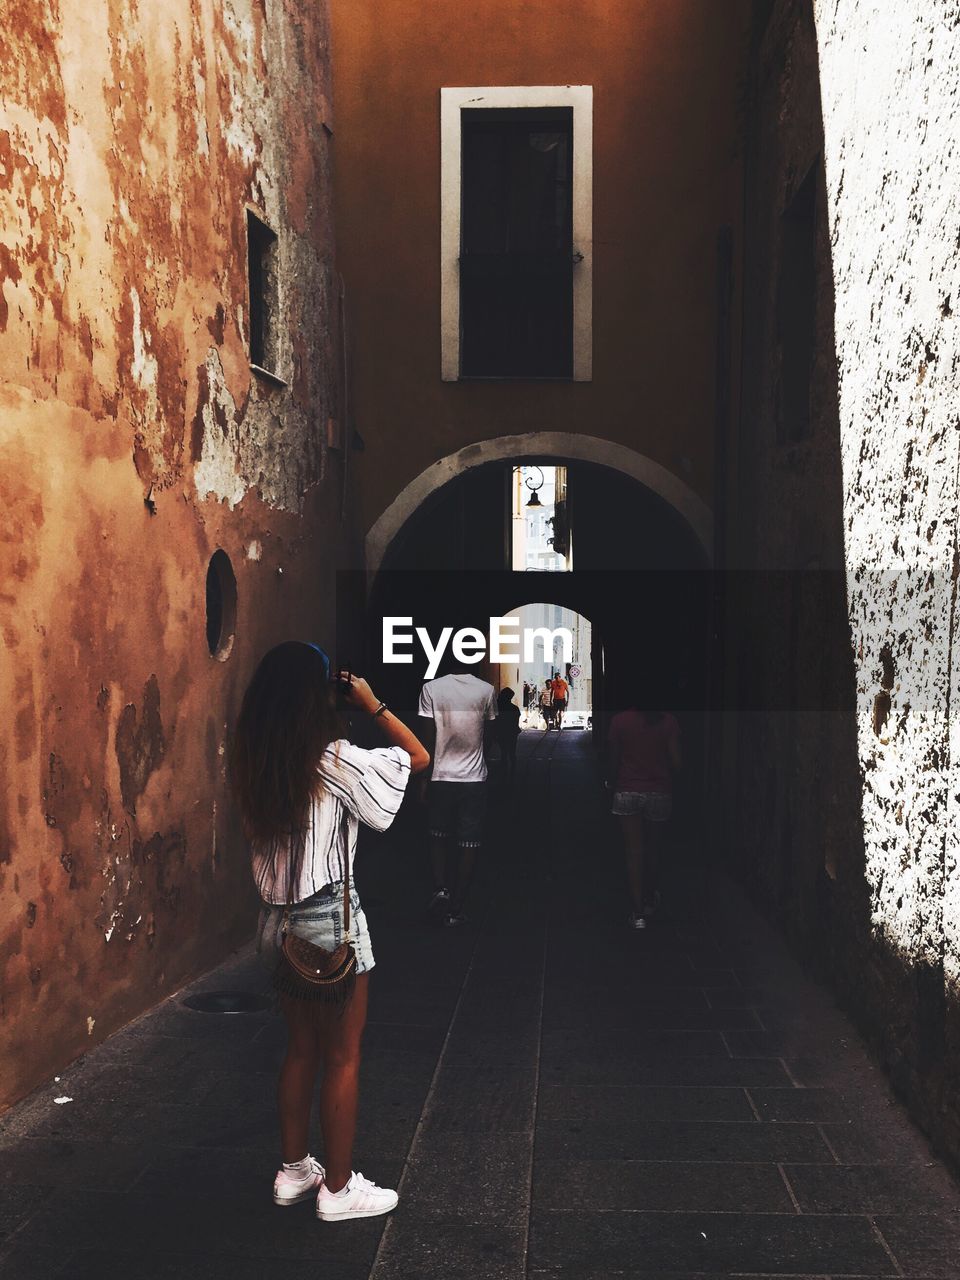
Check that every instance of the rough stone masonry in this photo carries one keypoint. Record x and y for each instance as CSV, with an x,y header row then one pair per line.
x,y
890,87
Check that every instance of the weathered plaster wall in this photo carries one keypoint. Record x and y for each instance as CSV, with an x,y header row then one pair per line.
x,y
854,832
891,106
134,441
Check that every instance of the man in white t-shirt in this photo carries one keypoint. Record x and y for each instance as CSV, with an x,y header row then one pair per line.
x,y
457,714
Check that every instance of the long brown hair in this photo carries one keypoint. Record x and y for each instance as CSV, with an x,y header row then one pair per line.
x,y
287,720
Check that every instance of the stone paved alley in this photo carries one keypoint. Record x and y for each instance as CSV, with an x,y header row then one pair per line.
x,y
558,1096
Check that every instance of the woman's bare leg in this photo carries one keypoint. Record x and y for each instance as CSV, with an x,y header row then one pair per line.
x,y
298,1078
654,834
632,827
340,1036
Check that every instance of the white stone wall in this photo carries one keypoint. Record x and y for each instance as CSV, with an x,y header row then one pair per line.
x,y
890,83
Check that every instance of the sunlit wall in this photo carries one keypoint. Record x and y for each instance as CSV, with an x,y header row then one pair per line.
x,y
890,85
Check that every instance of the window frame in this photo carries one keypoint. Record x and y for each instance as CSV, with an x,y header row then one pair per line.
x,y
272,313
452,102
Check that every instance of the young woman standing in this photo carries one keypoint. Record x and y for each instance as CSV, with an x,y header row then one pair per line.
x,y
303,790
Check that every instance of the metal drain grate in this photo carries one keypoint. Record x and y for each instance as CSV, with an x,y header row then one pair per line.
x,y
227,1002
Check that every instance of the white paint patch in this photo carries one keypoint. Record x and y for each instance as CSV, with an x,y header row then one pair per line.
x,y
144,365
245,92
91,1023
218,471
111,927
200,88
128,220
62,1099
254,551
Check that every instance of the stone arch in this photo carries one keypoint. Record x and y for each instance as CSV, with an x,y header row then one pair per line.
x,y
540,445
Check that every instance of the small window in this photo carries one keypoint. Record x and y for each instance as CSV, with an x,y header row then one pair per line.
x,y
221,606
262,269
796,310
516,251
540,519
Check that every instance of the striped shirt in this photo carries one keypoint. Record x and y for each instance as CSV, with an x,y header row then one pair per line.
x,y
357,786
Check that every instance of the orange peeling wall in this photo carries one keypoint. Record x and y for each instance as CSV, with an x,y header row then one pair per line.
x,y
134,441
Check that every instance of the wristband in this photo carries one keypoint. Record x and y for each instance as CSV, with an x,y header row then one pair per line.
x,y
380,710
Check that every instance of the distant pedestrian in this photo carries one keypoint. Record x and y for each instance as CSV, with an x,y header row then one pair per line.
x,y
560,690
303,789
457,714
546,705
643,756
508,731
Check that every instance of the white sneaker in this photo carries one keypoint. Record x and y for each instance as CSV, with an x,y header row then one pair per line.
x,y
439,902
636,921
361,1198
290,1190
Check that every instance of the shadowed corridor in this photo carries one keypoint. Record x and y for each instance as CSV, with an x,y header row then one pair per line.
x,y
555,1095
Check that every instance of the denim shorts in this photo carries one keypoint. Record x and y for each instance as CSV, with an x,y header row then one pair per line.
x,y
320,920
655,806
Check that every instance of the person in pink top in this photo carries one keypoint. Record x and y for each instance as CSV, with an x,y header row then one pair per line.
x,y
643,755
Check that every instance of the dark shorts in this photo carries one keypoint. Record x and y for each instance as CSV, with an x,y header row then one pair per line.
x,y
457,809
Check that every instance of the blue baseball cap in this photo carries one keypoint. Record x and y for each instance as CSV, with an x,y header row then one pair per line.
x,y
323,654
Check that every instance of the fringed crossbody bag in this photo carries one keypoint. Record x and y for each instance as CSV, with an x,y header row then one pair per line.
x,y
309,972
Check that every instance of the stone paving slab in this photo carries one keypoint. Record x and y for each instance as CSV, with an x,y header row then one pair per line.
x,y
868,1188
422,1248
686,1107
683,1140
674,1187
728,1243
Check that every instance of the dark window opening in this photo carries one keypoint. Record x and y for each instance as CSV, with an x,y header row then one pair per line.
x,y
796,310
262,270
221,606
516,249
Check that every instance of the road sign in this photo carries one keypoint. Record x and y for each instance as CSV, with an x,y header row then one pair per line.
x,y
576,670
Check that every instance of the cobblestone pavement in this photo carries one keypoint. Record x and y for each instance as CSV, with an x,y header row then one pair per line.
x,y
556,1095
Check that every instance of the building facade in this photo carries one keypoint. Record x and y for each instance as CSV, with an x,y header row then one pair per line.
x,y
582,159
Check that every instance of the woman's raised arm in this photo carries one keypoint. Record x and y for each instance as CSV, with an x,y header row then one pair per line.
x,y
358,694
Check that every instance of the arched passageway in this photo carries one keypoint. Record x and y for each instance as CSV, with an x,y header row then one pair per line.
x,y
640,574
562,646
575,447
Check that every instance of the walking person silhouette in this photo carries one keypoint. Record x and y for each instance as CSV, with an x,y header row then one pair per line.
x,y
643,755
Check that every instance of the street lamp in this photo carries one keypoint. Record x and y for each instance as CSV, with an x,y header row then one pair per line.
x,y
534,486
